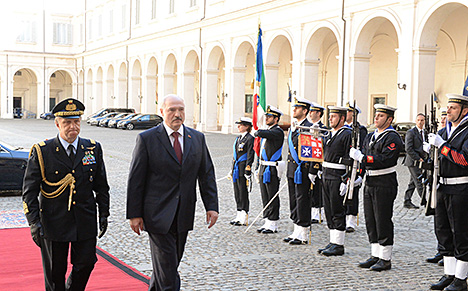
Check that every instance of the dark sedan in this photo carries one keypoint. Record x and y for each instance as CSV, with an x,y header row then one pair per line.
x,y
140,121
47,115
105,121
13,163
113,122
95,120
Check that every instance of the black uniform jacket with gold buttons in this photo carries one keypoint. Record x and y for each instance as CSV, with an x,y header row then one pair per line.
x,y
336,150
274,140
244,144
68,216
292,165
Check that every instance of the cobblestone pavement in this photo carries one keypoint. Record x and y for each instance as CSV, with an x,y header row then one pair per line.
x,y
227,258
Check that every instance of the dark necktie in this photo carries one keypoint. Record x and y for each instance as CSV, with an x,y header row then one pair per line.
x,y
72,153
422,135
177,148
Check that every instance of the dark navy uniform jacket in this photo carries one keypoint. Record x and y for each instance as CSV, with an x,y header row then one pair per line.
x,y
91,190
292,165
274,140
244,145
336,149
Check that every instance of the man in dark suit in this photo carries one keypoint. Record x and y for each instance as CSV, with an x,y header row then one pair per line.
x,y
167,162
61,178
414,154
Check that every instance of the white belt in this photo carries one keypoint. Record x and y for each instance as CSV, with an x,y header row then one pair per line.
x,y
453,181
381,171
268,163
333,166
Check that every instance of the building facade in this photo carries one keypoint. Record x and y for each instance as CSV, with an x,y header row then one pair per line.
x,y
130,53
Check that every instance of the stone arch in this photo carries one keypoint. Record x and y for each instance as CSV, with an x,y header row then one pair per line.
x,y
215,89
136,87
60,87
99,100
90,94
109,85
191,88
122,85
152,86
170,75
25,92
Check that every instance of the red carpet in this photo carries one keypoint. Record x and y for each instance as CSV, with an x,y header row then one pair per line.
x,y
21,266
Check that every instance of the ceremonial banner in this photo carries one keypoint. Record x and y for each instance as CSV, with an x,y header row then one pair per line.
x,y
310,148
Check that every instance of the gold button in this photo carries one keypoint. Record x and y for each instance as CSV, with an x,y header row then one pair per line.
x,y
91,170
74,191
73,171
74,202
92,152
56,172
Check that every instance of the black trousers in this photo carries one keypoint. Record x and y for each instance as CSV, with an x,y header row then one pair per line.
x,y
268,190
241,194
316,199
55,262
299,201
414,183
378,210
333,203
166,252
451,225
353,207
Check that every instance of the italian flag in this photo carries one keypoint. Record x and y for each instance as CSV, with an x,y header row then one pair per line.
x,y
259,106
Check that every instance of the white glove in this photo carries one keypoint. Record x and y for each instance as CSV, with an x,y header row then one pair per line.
x,y
319,174
247,177
358,181
436,140
426,147
356,154
312,178
343,188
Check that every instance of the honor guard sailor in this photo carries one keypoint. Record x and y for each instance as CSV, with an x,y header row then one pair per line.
x,y
298,180
353,208
318,213
452,195
336,150
271,147
242,169
65,180
379,158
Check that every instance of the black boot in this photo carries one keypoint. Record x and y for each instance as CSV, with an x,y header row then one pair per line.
x,y
287,239
435,259
369,262
327,247
297,241
441,263
457,285
444,281
381,265
334,250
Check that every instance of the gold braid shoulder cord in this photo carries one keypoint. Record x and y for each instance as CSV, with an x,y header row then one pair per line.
x,y
68,180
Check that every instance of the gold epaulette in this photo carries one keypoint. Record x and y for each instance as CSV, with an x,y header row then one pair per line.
x,y
68,180
92,141
40,144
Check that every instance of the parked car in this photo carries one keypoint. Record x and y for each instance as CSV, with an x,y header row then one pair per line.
x,y
104,111
13,163
105,121
95,120
113,122
140,121
47,115
17,112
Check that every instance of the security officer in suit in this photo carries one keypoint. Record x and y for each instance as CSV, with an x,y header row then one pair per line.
x,y
64,181
352,208
243,157
452,195
318,213
336,150
379,158
298,180
415,154
270,158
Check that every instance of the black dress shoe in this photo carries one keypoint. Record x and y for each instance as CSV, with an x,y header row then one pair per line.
x,y
297,242
334,250
457,285
350,229
232,222
369,262
314,221
238,223
260,230
287,239
267,231
441,263
435,259
321,250
410,205
444,281
381,265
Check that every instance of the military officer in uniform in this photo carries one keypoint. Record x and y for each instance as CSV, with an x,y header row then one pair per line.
x,y
242,169
318,214
452,195
352,208
298,180
65,180
270,159
379,158
336,150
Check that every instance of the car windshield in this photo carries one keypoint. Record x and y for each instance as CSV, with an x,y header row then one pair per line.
x,y
120,115
138,116
129,116
109,114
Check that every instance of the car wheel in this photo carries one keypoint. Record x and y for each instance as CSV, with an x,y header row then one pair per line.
x,y
130,126
48,117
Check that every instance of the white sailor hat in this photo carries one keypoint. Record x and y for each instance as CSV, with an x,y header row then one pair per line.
x,y
244,120
443,112
271,110
337,109
316,107
298,101
385,109
456,98
350,107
